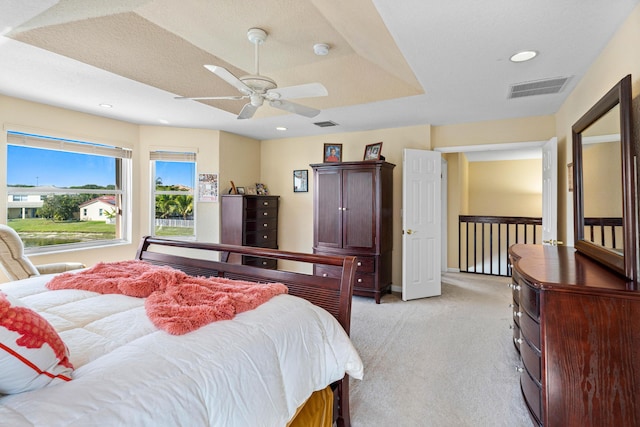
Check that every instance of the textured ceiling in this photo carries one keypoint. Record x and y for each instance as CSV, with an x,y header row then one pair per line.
x,y
165,44
391,63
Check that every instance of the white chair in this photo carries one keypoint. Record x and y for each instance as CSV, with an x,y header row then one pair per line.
x,y
17,266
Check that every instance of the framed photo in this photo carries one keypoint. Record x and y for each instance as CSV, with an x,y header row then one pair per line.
x,y
252,191
300,181
373,151
332,153
240,190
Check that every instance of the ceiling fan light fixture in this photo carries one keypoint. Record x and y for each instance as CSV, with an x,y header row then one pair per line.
x,y
321,49
525,55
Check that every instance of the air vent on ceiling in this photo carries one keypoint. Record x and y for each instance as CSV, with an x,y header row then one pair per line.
x,y
538,87
326,124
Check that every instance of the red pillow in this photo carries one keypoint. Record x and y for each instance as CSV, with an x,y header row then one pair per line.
x,y
32,354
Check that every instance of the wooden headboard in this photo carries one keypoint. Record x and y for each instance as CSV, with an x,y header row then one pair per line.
x,y
209,259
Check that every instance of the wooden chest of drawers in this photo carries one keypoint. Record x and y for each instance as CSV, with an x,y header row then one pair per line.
x,y
250,221
574,327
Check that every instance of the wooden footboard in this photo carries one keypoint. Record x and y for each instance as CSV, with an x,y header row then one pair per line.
x,y
209,259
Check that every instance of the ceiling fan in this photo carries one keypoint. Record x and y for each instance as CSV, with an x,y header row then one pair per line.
x,y
257,88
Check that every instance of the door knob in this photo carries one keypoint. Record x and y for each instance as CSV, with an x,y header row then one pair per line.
x,y
553,242
409,231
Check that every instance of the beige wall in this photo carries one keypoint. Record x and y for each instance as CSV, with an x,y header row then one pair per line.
x,y
205,143
280,157
618,59
494,191
528,129
25,116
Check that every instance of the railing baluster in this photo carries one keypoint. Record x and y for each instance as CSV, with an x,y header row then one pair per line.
x,y
489,243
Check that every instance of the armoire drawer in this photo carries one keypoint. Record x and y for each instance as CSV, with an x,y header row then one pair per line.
x,y
366,264
261,224
262,214
261,202
364,280
260,262
327,271
264,239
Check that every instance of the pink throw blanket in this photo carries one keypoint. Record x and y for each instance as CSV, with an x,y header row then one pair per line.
x,y
175,301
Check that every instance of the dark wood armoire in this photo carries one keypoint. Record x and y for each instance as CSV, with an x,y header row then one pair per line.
x,y
353,215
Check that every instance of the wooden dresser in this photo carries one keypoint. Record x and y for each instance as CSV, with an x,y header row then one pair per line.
x,y
576,327
250,221
353,215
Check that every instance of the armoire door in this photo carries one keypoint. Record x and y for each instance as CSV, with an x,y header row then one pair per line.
x,y
359,209
328,207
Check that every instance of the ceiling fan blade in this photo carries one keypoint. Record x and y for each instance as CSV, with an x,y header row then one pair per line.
x,y
204,98
247,111
225,75
294,108
309,90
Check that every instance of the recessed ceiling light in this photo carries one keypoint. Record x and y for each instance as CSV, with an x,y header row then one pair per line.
x,y
281,128
525,55
106,105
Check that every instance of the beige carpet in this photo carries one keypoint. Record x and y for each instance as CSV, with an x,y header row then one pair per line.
x,y
442,361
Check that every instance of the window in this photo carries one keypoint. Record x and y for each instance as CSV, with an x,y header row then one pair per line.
x,y
56,187
172,188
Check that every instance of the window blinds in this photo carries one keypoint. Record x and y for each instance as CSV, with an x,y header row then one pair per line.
x,y
50,143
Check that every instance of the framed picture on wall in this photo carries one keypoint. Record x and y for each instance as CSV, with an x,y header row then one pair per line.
x,y
332,153
300,181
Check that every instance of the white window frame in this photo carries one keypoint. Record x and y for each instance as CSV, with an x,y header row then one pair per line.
x,y
124,181
171,156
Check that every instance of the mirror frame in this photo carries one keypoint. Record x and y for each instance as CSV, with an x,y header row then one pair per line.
x,y
624,264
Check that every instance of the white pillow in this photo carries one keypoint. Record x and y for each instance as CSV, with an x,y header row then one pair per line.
x,y
32,354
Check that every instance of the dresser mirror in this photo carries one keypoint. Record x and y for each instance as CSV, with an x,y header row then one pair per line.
x,y
604,194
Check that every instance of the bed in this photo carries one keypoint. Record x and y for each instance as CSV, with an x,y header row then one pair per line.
x,y
261,368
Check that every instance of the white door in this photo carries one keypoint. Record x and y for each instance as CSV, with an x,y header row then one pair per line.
x,y
550,192
420,224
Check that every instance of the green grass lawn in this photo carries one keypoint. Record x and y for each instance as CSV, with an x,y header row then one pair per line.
x,y
36,232
37,225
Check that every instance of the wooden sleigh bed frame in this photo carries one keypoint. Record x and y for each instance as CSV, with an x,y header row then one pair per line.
x,y
208,259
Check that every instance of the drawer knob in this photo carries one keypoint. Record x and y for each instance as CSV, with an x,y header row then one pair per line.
x,y
324,274
517,313
519,369
518,340
265,225
264,262
265,213
265,237
265,203
359,264
514,286
359,280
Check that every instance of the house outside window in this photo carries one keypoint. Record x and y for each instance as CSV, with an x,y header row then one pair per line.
x,y
54,179
172,191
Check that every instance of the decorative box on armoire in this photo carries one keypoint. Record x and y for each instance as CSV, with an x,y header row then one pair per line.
x,y
353,215
250,221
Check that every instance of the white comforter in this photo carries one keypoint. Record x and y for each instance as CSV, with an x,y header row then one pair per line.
x,y
254,370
